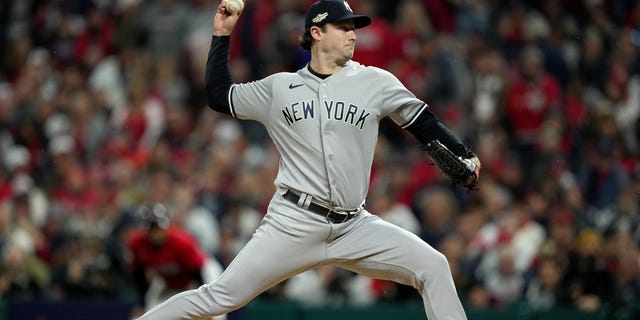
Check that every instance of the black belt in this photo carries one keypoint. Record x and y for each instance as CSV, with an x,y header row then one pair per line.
x,y
332,215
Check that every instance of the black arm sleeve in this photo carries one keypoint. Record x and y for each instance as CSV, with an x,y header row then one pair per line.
x,y
427,127
218,78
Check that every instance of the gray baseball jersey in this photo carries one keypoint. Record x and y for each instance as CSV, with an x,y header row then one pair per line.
x,y
326,131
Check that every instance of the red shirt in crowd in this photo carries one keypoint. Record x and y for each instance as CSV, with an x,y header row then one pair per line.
x,y
176,261
374,48
528,103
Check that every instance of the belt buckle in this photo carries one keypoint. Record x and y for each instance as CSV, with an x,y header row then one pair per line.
x,y
346,216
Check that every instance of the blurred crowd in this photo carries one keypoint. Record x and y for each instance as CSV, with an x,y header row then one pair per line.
x,y
102,109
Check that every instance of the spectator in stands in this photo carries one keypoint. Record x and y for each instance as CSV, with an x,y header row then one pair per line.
x,y
622,89
605,177
533,95
165,22
329,285
196,220
94,42
590,286
454,249
627,278
489,83
374,42
165,259
81,269
592,63
544,290
23,275
562,226
505,283
478,297
237,226
437,210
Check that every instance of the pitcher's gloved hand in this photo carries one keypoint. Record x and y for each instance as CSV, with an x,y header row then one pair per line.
x,y
461,171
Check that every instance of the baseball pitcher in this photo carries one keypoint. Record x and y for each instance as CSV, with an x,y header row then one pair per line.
x,y
324,121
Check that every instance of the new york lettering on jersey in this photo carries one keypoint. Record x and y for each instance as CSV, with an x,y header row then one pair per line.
x,y
299,110
338,110
335,110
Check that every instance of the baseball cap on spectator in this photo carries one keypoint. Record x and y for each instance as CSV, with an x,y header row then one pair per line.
x,y
17,156
329,11
62,144
155,215
589,241
57,124
21,184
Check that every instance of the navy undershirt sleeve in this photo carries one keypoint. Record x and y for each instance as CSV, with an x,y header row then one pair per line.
x,y
427,127
218,78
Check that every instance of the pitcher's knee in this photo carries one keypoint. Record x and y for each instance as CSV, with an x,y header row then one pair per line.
x,y
441,264
435,267
220,300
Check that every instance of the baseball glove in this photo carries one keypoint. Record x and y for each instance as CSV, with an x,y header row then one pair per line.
x,y
459,170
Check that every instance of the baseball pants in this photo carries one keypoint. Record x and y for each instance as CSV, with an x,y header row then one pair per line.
x,y
291,240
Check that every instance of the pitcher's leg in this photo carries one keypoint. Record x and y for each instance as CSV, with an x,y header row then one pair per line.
x,y
378,249
267,259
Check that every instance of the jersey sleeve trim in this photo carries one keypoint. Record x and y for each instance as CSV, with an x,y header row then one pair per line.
x,y
232,109
415,116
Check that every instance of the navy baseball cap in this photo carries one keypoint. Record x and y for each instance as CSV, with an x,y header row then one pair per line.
x,y
328,11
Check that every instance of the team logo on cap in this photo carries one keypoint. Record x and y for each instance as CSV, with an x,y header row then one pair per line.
x,y
346,5
320,17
